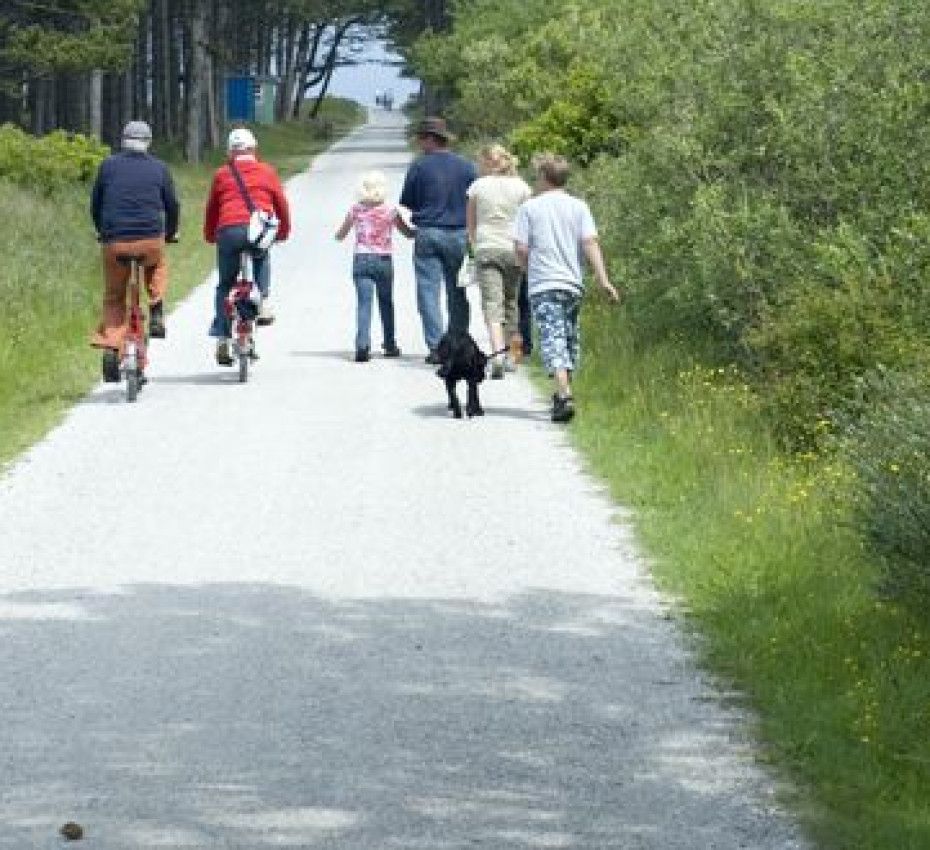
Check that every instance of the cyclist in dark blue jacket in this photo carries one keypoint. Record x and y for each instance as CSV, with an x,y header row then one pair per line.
x,y
134,207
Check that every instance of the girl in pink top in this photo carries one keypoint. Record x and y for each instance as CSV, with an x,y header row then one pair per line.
x,y
373,220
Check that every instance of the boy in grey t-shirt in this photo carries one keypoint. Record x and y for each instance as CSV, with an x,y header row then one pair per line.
x,y
553,234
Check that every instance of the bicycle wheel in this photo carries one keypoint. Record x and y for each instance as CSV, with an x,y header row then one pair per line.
x,y
243,366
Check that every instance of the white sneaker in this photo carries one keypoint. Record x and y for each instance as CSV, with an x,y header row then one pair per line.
x,y
265,314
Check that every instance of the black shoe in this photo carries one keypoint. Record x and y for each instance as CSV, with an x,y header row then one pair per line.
x,y
110,365
391,351
157,320
563,409
433,358
362,355
223,354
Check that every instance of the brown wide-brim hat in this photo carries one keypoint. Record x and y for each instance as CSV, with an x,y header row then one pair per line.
x,y
434,127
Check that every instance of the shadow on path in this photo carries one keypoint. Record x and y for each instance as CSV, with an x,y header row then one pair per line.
x,y
250,715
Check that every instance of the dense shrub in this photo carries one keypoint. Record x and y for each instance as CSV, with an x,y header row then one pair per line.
x,y
760,173
890,450
761,170
49,162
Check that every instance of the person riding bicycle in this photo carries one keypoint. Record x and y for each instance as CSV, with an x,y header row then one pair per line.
x,y
134,207
241,184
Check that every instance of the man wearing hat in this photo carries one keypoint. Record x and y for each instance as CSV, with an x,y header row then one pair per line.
x,y
434,192
134,207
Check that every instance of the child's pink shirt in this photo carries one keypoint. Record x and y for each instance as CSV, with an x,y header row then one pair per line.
x,y
374,226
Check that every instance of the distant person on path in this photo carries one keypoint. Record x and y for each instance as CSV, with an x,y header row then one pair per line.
x,y
134,207
553,234
493,201
374,221
226,223
435,193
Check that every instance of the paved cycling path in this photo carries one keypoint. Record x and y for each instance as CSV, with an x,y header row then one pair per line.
x,y
312,611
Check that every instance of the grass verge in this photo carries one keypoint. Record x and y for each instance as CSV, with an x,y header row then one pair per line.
x,y
51,281
777,586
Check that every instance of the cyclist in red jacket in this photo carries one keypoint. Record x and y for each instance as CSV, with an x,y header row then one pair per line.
x,y
226,224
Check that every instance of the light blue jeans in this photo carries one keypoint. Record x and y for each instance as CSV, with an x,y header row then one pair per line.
x,y
438,254
374,273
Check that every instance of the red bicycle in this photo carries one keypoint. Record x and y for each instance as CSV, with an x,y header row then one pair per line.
x,y
242,306
130,360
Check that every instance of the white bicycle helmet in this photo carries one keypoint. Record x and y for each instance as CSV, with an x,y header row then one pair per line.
x,y
241,139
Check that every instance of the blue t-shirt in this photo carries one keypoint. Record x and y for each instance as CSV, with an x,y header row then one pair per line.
x,y
435,187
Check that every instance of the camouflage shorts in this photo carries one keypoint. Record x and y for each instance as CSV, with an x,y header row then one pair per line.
x,y
556,313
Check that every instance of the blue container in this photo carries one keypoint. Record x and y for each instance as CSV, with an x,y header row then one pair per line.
x,y
240,98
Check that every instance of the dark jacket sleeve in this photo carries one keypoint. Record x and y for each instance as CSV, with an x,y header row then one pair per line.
x,y
172,207
96,199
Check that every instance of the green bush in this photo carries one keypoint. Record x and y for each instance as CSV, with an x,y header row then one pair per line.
x,y
890,449
49,162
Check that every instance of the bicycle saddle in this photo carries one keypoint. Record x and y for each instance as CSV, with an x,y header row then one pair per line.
x,y
129,259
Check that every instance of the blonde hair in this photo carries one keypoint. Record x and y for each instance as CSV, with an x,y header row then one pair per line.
x,y
497,160
372,188
553,168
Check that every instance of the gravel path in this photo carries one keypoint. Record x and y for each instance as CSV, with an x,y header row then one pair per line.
x,y
312,611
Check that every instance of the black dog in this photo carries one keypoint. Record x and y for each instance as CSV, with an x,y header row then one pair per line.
x,y
461,360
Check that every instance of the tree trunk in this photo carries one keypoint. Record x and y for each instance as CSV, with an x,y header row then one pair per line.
x,y
142,69
96,104
331,61
195,80
128,108
36,105
294,74
321,95
212,107
164,69
177,65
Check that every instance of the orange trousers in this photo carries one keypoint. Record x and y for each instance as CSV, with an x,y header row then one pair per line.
x,y
112,328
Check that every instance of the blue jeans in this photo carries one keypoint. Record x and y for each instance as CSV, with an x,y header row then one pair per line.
x,y
438,254
374,273
230,243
